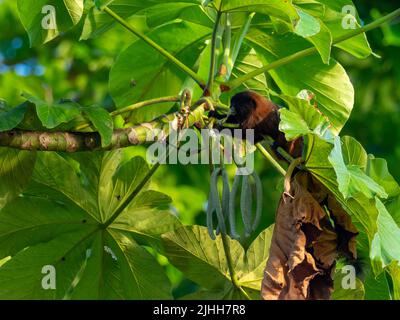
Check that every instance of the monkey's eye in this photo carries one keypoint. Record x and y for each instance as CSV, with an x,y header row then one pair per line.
x,y
232,112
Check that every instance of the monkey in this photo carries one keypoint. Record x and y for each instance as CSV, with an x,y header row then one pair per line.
x,y
251,110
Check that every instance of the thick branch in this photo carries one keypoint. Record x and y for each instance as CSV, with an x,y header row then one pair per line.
x,y
79,141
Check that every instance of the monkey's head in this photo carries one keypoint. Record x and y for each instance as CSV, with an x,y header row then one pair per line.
x,y
243,106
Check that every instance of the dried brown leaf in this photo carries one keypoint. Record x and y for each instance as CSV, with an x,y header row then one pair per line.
x,y
311,231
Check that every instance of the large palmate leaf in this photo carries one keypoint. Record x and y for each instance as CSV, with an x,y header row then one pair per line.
x,y
16,169
275,8
347,293
38,15
334,16
12,117
367,212
301,119
331,85
378,170
316,32
72,219
203,260
157,12
102,121
386,243
53,114
152,74
351,178
248,61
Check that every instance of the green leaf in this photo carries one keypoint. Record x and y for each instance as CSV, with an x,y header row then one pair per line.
x,y
313,7
394,270
354,153
248,61
378,170
165,78
35,14
16,169
9,119
96,254
376,288
385,246
275,8
52,115
307,26
204,261
368,214
301,119
156,13
293,125
102,121
340,293
316,32
333,17
187,10
351,178
333,90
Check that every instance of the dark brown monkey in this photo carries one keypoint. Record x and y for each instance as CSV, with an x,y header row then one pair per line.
x,y
250,110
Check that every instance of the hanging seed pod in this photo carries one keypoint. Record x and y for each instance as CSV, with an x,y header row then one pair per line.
x,y
232,211
210,210
225,197
214,204
259,200
225,193
246,202
250,223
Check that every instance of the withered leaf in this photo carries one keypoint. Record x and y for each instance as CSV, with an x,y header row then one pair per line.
x,y
311,231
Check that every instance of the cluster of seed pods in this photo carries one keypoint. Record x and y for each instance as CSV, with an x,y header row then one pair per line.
x,y
223,205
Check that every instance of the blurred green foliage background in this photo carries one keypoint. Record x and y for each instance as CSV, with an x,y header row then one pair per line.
x,y
66,68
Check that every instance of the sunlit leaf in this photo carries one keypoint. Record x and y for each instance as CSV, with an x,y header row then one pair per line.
x,y
16,169
204,261
156,77
95,251
44,20
102,121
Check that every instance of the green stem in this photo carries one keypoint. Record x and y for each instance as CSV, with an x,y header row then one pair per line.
x,y
144,104
132,108
229,261
307,52
157,47
280,150
239,41
289,173
267,155
139,188
228,45
211,75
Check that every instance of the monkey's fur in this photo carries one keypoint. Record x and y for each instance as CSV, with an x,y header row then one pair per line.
x,y
250,110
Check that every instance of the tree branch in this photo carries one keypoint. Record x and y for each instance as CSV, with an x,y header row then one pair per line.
x,y
82,141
